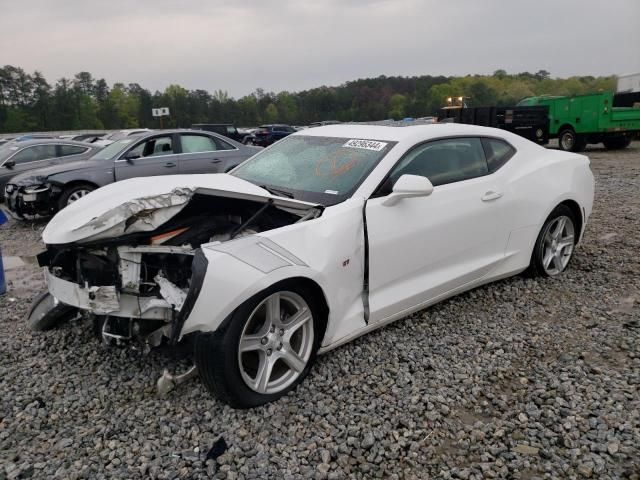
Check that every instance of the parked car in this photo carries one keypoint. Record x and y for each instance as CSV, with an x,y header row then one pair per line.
x,y
225,129
88,137
327,235
47,190
324,123
27,155
32,136
265,135
120,134
4,141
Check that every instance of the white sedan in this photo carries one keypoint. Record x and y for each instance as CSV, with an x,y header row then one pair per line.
x,y
326,235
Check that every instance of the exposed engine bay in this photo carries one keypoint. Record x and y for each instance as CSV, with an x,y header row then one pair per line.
x,y
133,286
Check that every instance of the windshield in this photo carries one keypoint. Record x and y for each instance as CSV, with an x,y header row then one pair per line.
x,y
324,170
6,150
112,150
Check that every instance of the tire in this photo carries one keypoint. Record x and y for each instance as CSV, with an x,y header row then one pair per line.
x,y
248,141
570,141
616,143
46,314
234,377
554,248
73,193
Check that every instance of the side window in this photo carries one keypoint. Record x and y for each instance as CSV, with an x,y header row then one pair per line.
x,y
66,150
154,147
198,143
222,145
444,161
231,130
32,154
498,153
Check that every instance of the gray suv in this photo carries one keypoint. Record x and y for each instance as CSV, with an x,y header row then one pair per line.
x,y
47,190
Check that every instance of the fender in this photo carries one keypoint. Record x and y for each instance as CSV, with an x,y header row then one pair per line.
x,y
238,269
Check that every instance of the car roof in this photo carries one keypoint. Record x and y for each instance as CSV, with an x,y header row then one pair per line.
x,y
47,141
408,132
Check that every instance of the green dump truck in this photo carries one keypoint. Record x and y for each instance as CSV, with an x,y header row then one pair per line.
x,y
582,119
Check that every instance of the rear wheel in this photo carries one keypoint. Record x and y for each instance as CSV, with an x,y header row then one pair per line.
x,y
46,313
265,349
555,244
616,143
74,193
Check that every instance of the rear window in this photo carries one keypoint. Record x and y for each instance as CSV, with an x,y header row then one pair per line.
x,y
497,152
66,150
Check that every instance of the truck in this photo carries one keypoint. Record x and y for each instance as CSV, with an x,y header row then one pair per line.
x,y
593,118
529,122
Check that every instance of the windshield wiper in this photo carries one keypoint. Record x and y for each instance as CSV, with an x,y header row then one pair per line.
x,y
277,191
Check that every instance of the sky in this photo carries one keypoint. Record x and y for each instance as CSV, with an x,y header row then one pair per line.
x,y
241,45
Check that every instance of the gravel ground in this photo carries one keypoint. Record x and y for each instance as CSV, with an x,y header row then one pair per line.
x,y
520,379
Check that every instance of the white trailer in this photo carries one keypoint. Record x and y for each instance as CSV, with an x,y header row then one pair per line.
x,y
628,83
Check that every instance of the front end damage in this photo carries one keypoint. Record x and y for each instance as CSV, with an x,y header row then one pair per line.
x,y
136,270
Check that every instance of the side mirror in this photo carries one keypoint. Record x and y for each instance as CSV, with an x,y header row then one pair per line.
x,y
9,164
408,186
131,155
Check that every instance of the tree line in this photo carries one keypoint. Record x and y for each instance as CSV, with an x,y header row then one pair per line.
x,y
28,102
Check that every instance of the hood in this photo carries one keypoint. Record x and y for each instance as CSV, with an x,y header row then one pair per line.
x,y
143,204
61,165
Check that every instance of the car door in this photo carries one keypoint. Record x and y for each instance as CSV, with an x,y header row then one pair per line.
x,y
423,247
24,159
148,157
202,153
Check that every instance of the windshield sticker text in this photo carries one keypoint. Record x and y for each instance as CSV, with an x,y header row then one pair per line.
x,y
366,144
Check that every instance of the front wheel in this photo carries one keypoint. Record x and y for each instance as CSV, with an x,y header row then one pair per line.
x,y
74,193
570,141
265,349
555,244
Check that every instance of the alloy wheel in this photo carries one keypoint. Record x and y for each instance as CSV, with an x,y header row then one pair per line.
x,y
276,343
558,245
77,195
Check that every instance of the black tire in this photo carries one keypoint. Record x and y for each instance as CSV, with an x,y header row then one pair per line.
x,y
616,143
216,353
536,267
46,314
570,141
248,141
63,201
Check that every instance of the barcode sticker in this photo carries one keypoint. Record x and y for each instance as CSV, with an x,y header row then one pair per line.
x,y
366,144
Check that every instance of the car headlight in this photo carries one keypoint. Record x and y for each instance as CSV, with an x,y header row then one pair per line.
x,y
9,188
36,188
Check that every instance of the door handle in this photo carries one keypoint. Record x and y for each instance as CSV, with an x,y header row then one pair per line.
x,y
169,164
491,195
215,160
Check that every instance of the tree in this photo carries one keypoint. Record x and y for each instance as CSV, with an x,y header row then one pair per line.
x,y
397,105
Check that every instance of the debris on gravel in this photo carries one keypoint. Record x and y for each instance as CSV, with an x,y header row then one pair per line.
x,y
524,378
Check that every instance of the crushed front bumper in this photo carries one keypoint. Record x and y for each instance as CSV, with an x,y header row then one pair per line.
x,y
20,203
106,300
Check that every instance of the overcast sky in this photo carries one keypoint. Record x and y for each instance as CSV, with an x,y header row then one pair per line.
x,y
238,46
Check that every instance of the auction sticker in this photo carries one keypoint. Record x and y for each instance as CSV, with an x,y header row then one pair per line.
x,y
366,144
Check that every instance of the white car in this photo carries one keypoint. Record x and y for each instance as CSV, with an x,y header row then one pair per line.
x,y
326,235
119,135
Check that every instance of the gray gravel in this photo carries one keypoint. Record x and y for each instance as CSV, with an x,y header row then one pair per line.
x,y
521,379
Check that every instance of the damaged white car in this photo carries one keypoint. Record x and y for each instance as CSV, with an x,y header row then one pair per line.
x,y
322,237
